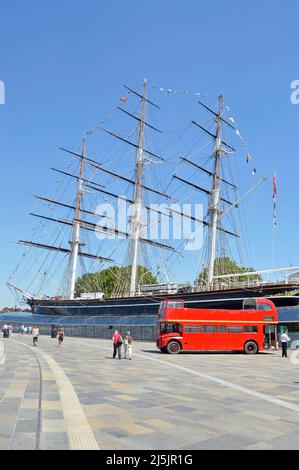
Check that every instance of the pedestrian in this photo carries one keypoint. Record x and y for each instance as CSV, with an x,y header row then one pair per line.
x,y
35,334
53,331
5,331
117,342
60,336
22,328
128,343
284,344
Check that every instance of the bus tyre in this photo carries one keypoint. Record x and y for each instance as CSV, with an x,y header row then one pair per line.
x,y
173,347
250,347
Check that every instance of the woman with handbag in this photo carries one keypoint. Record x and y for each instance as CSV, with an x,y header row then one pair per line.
x,y
117,342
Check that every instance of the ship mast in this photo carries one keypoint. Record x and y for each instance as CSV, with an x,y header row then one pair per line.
x,y
136,219
215,193
75,242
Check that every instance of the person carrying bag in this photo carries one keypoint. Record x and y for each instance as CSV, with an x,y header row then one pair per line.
x,y
117,343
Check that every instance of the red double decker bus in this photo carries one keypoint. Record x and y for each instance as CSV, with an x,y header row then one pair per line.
x,y
191,329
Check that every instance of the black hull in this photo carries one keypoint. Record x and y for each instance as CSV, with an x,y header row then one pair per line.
x,y
126,306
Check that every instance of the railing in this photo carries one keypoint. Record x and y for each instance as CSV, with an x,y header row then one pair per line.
x,y
227,283
243,284
139,332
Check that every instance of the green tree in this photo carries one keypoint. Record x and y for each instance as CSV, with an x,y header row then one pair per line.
x,y
224,265
112,279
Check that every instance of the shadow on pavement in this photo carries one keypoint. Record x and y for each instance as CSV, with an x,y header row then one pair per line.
x,y
205,353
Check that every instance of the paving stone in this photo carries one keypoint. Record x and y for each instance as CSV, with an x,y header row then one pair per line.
x,y
23,441
52,414
288,441
227,442
26,425
54,425
154,441
4,443
55,441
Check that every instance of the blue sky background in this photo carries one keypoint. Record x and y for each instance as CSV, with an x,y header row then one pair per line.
x,y
64,62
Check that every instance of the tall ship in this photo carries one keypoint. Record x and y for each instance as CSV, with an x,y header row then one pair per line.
x,y
139,207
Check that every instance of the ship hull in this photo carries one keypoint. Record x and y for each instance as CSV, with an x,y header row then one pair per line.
x,y
230,298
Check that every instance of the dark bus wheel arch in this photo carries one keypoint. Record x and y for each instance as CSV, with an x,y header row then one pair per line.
x,y
250,347
173,347
163,350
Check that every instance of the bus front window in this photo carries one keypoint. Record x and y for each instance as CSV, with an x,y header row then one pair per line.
x,y
161,312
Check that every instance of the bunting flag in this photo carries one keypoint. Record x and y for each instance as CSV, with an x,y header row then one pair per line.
x,y
243,143
274,200
179,90
230,118
123,100
93,128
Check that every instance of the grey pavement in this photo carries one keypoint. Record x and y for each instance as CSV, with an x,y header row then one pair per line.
x,y
77,396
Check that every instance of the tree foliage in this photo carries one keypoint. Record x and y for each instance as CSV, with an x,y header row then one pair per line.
x,y
111,280
224,265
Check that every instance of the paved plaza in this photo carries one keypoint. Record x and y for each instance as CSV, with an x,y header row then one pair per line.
x,y
78,397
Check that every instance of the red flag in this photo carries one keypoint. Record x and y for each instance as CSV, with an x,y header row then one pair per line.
x,y
274,186
274,200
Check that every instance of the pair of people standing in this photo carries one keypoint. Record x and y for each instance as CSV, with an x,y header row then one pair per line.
x,y
118,341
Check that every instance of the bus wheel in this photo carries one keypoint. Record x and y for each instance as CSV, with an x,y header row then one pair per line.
x,y
173,347
250,347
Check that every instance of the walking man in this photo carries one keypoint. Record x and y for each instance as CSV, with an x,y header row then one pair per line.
x,y
117,342
35,333
284,344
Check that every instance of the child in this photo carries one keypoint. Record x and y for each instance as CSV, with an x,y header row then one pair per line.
x,y
60,336
35,333
128,341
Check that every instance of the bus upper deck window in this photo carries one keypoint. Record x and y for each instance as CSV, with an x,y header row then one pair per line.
x,y
264,307
175,304
249,304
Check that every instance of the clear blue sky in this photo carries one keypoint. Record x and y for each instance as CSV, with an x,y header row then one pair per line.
x,y
64,62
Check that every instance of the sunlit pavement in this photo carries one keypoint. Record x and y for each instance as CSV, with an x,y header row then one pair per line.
x,y
78,397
